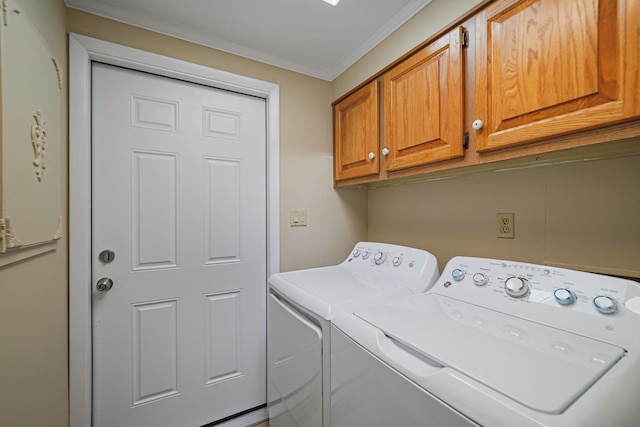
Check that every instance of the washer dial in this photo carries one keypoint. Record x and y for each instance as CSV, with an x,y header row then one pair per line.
x,y
564,296
605,304
516,287
397,261
457,274
479,279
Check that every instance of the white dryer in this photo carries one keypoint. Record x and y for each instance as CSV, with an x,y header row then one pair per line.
x,y
300,306
493,343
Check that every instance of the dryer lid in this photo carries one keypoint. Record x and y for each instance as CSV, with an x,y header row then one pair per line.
x,y
328,290
543,368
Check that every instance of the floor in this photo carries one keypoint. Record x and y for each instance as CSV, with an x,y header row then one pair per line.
x,y
264,424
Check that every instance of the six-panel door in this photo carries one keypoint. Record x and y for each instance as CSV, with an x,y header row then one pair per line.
x,y
179,196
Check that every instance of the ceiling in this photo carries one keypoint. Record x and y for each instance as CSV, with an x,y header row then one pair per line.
x,y
307,36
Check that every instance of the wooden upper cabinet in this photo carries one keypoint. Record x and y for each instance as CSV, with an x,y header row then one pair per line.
x,y
423,105
545,68
357,134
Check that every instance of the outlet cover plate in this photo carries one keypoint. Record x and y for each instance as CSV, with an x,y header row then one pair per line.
x,y
506,225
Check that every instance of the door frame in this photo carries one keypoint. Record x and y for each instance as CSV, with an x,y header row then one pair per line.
x,y
82,51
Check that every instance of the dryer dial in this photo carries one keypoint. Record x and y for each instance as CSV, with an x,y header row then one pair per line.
x,y
605,304
516,287
397,261
380,257
564,296
366,254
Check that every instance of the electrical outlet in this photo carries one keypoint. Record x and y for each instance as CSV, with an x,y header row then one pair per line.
x,y
506,225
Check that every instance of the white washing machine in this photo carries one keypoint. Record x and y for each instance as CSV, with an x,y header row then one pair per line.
x,y
492,343
300,306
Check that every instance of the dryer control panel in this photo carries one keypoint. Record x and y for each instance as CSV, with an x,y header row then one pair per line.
x,y
415,268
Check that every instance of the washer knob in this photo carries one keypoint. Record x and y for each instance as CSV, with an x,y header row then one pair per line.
x,y
379,258
516,287
366,254
479,279
397,261
564,296
356,253
457,274
605,304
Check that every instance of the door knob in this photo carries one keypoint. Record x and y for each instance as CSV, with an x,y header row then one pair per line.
x,y
104,284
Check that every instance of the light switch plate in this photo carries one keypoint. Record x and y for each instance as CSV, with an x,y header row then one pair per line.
x,y
298,217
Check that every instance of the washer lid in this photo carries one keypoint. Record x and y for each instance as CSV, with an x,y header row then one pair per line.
x,y
327,290
543,368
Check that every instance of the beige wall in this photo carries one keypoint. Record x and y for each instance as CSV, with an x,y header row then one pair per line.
x,y
580,215
33,293
336,219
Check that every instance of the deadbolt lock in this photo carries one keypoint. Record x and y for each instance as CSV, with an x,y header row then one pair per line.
x,y
107,256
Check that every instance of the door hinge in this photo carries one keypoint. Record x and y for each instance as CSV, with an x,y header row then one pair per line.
x,y
465,140
3,236
465,38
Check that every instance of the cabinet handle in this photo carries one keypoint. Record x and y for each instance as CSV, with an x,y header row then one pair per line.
x,y
477,124
385,151
372,155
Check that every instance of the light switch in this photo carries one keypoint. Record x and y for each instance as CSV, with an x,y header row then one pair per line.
x,y
298,217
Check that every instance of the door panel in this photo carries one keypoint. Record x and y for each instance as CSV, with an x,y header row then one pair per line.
x,y
179,194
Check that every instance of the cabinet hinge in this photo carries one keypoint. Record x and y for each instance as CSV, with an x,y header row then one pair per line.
x,y
465,38
465,140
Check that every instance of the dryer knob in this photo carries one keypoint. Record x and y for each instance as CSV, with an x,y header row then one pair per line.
x,y
380,257
397,261
356,253
564,296
457,274
366,255
516,287
605,304
479,279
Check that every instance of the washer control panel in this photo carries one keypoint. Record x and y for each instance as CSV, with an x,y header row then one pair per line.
x,y
499,284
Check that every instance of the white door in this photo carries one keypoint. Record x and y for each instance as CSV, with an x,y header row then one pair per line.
x,y
179,196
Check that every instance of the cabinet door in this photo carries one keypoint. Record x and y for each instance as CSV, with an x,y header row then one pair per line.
x,y
423,105
356,134
550,67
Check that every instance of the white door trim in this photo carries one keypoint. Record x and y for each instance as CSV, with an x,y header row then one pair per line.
x,y
82,51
